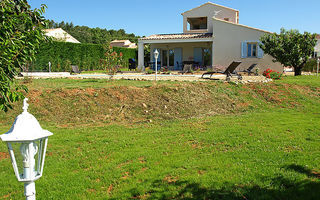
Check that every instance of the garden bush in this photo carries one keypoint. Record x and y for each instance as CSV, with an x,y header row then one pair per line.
x,y
64,54
269,73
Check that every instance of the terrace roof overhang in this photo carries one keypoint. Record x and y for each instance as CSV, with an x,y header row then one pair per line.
x,y
177,38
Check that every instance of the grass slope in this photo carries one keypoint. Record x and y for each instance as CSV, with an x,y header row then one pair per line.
x,y
98,102
266,148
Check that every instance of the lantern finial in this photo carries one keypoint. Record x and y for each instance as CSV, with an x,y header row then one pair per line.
x,y
25,105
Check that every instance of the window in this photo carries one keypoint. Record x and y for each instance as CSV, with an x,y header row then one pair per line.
x,y
252,49
168,56
171,57
164,58
197,23
206,54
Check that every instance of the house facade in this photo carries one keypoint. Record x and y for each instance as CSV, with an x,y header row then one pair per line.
x,y
317,47
60,35
123,43
212,37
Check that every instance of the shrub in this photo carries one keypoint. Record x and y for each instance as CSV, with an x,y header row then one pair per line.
x,y
86,56
269,73
113,60
149,71
164,69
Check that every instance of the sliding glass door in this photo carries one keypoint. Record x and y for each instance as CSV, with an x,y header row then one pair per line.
x,y
168,57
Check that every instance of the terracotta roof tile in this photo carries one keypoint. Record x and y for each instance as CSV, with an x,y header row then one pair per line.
x,y
178,36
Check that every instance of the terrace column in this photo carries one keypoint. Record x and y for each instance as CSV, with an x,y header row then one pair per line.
x,y
140,55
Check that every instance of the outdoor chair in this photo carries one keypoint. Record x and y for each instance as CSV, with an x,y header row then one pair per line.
x,y
230,70
132,64
75,69
187,68
248,71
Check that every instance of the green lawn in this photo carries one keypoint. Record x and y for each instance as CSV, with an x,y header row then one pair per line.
x,y
313,81
271,153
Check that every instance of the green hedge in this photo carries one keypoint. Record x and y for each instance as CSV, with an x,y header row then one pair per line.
x,y
63,54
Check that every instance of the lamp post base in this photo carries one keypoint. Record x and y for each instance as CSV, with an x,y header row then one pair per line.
x,y
30,191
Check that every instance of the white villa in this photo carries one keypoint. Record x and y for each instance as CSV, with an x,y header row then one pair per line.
x,y
317,47
123,43
212,36
60,35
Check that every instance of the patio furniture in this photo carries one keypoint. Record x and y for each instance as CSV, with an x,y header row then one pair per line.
x,y
251,68
230,69
132,64
248,71
75,69
187,68
192,63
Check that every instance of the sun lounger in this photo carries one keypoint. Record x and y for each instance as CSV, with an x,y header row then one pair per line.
x,y
248,71
75,69
230,69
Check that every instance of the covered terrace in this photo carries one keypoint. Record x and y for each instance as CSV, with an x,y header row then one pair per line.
x,y
175,50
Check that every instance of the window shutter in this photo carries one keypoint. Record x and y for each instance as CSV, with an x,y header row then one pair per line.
x,y
260,51
244,50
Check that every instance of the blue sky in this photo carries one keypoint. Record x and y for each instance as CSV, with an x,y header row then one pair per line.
x,y
146,17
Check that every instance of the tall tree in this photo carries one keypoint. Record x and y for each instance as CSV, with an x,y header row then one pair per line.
x,y
290,48
20,37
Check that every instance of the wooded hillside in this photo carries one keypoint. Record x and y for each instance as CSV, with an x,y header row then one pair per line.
x,y
97,35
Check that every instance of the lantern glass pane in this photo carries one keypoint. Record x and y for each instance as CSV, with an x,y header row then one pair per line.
x,y
18,157
40,155
37,158
21,153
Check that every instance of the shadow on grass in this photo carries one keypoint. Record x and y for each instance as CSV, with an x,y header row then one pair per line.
x,y
279,188
304,170
90,81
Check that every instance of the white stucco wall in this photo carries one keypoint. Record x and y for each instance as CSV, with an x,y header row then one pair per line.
x,y
227,46
207,10
317,47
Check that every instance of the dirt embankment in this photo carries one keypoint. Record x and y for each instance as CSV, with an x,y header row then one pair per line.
x,y
72,107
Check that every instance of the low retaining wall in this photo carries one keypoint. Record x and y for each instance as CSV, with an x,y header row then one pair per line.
x,y
46,74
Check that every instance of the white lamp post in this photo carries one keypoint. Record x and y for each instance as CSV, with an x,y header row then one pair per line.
x,y
27,136
49,63
156,55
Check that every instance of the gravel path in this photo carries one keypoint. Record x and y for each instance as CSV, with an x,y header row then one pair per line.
x,y
141,76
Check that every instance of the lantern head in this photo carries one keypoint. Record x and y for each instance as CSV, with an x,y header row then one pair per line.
x,y
156,54
27,143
